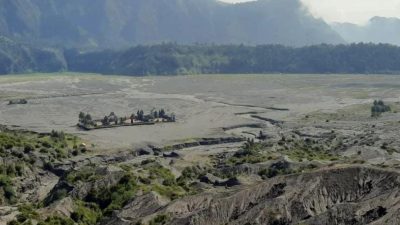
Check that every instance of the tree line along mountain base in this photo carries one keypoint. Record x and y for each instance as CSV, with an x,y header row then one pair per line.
x,y
173,59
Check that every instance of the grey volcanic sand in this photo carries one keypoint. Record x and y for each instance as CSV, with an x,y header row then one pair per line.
x,y
203,104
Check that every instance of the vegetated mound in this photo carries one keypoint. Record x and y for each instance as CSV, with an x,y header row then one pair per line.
x,y
350,195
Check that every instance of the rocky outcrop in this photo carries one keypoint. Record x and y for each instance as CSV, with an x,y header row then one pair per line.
x,y
350,195
137,209
7,214
36,187
145,151
107,177
203,142
216,181
63,207
249,125
63,167
271,121
171,155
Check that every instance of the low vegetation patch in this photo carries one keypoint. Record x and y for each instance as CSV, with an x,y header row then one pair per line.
x,y
102,201
251,152
310,149
22,145
7,193
115,197
311,155
86,213
159,220
378,108
85,174
57,220
22,153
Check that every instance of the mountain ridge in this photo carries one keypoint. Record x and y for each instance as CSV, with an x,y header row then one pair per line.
x,y
376,30
124,23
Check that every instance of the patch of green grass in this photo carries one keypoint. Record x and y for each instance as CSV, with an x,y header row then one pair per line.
x,y
19,144
85,174
250,153
114,198
7,188
86,213
168,186
57,220
172,192
27,214
310,155
157,171
167,148
13,169
159,220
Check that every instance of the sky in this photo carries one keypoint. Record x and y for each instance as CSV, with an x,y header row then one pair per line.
x,y
353,11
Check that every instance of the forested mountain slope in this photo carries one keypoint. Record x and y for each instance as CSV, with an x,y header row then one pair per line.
x,y
18,58
121,23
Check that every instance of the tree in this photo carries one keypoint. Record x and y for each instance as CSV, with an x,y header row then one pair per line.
x,y
105,121
140,115
132,118
81,116
378,108
161,113
88,118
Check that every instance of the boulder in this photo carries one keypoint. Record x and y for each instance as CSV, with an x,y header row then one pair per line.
x,y
171,155
145,151
108,177
63,207
7,214
216,181
211,179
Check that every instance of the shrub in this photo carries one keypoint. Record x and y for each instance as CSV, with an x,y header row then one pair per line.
x,y
110,199
6,184
159,220
86,213
56,220
84,174
28,148
378,108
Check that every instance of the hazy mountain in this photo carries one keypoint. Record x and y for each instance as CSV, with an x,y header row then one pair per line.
x,y
120,23
18,58
377,30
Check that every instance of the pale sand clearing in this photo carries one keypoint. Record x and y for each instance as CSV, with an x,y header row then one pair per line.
x,y
203,104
